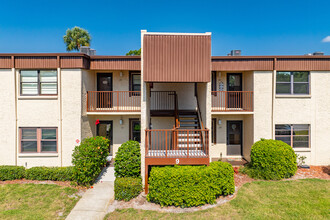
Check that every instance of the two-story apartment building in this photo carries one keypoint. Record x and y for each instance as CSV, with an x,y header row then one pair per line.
x,y
183,105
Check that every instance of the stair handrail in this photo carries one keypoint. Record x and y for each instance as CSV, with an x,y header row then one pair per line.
x,y
199,112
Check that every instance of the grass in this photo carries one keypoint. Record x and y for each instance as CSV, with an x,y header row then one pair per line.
x,y
36,201
300,199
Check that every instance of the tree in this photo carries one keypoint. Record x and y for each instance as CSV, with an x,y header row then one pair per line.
x,y
134,52
75,38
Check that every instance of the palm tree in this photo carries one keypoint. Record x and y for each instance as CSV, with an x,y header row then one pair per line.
x,y
75,38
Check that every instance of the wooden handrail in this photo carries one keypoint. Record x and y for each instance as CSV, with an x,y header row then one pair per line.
x,y
224,101
113,101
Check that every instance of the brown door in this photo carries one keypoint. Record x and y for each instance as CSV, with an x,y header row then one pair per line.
x,y
104,84
234,138
234,88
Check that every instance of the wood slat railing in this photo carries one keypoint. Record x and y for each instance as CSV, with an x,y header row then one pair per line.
x,y
177,143
113,101
163,100
225,101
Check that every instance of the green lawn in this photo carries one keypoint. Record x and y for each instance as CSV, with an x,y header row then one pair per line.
x,y
300,199
36,201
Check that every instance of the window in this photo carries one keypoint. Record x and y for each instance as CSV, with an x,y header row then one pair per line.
x,y
135,82
297,136
292,83
135,129
38,82
214,130
38,140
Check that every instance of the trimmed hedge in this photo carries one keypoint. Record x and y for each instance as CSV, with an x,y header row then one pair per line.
x,y
272,160
89,158
128,160
50,173
187,186
11,172
127,188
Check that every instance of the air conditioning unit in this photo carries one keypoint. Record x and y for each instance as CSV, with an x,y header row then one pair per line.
x,y
235,53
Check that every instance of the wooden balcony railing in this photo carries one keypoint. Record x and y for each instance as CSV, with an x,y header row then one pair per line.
x,y
163,101
113,101
230,101
177,143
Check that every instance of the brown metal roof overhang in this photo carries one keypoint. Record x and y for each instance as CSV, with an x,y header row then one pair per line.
x,y
280,63
69,61
219,63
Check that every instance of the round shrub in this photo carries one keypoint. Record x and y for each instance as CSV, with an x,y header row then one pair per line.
x,y
272,160
11,172
188,186
127,188
128,160
89,158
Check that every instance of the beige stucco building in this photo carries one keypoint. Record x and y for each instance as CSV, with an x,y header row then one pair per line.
x,y
183,105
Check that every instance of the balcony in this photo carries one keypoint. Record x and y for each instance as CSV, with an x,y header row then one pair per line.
x,y
232,101
113,101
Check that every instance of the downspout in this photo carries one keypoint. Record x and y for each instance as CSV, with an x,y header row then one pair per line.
x,y
59,92
273,95
16,100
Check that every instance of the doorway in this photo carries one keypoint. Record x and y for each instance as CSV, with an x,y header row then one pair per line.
x,y
234,88
105,129
234,138
104,85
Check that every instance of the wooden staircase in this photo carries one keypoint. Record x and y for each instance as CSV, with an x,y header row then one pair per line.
x,y
187,135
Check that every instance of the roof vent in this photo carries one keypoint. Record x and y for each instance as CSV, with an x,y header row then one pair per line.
x,y
87,50
318,53
235,53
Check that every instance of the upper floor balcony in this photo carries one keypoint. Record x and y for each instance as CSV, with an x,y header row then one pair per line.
x,y
113,101
232,101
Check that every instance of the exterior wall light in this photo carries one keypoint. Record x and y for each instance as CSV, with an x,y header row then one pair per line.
x,y
219,122
121,74
121,121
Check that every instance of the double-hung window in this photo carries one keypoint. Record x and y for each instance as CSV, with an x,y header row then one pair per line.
x,y
135,83
38,140
38,82
295,135
292,83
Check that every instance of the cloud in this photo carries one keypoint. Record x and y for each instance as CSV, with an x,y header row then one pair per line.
x,y
326,39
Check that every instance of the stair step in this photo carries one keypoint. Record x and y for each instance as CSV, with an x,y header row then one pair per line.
x,y
188,120
190,135
190,140
187,116
188,125
190,145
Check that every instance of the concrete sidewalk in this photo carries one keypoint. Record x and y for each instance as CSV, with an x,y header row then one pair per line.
x,y
95,202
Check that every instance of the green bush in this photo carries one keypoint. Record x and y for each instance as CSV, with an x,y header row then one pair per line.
x,y
187,186
272,160
50,173
11,172
127,188
128,160
89,158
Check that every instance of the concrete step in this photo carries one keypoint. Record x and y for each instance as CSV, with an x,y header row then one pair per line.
x,y
188,125
190,135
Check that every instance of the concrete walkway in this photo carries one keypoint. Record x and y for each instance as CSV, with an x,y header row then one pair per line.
x,y
94,203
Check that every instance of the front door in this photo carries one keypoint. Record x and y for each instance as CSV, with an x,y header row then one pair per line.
x,y
234,88
234,138
104,129
104,85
